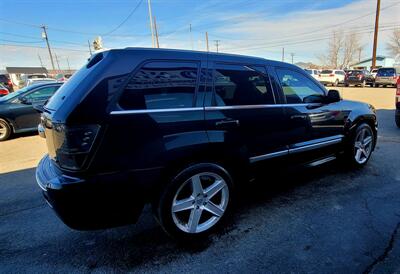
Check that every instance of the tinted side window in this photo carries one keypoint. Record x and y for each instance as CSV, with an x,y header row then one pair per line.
x,y
160,85
297,88
242,85
41,94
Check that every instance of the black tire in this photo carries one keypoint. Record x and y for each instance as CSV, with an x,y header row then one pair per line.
x,y
376,85
351,147
397,119
346,85
163,208
5,130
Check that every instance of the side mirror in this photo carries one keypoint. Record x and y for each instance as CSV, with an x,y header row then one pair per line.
x,y
333,96
24,100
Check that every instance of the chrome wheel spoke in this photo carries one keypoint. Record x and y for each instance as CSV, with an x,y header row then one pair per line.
x,y
358,155
358,145
362,134
214,188
184,204
196,185
367,141
214,209
194,219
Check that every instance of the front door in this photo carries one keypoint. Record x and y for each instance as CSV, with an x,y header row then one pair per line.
x,y
314,126
242,114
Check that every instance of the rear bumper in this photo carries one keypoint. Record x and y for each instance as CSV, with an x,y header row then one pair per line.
x,y
385,82
91,203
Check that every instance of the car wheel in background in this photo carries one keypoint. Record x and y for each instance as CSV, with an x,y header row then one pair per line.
x,y
5,130
195,202
397,119
346,85
360,146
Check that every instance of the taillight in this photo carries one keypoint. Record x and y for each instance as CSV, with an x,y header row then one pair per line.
x,y
3,91
359,76
9,82
331,75
75,144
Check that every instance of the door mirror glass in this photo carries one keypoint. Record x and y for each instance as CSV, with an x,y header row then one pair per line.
x,y
24,100
333,96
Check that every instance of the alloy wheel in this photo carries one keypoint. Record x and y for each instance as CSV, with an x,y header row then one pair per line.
x,y
363,145
200,202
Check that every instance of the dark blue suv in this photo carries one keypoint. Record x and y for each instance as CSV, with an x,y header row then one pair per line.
x,y
181,130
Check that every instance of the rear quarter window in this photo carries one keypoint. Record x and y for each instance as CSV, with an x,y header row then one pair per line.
x,y
161,85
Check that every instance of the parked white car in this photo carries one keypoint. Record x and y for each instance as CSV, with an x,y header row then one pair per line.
x,y
313,72
332,77
374,72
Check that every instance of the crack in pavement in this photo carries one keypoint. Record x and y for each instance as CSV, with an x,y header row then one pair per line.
x,y
386,251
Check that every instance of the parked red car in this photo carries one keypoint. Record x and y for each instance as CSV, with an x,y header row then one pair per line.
x,y
3,90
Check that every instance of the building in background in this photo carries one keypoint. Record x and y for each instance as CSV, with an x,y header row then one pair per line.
x,y
381,61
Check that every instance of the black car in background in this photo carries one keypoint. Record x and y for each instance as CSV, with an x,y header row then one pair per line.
x,y
182,130
359,78
6,81
17,113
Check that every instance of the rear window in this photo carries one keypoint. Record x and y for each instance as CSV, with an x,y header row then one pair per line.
x,y
326,71
386,71
354,72
68,87
161,85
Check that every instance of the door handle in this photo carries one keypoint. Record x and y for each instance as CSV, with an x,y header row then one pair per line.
x,y
299,117
227,123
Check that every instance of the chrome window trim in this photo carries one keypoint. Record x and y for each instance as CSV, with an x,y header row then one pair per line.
x,y
140,111
260,106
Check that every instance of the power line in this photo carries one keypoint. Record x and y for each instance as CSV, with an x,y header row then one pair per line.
x,y
125,20
37,47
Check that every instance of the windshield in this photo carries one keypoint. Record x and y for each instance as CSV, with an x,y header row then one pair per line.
x,y
15,94
309,71
352,72
326,71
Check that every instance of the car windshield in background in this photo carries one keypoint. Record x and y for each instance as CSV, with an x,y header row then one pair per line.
x,y
309,71
326,71
386,72
352,72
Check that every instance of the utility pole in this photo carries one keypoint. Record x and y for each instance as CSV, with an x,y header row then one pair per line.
x,y
58,64
378,7
283,54
44,35
217,44
151,23
292,54
40,60
207,41
156,31
191,36
90,48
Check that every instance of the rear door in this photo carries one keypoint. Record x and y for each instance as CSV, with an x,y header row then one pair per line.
x,y
242,116
314,127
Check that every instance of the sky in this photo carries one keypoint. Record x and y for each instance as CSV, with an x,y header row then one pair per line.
x,y
250,27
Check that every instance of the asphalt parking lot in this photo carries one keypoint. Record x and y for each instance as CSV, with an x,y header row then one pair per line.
x,y
323,220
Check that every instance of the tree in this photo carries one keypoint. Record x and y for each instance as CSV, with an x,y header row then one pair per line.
x,y
342,50
393,45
